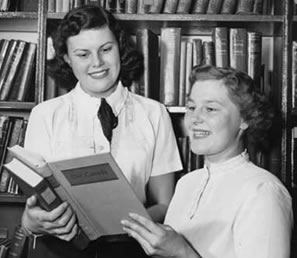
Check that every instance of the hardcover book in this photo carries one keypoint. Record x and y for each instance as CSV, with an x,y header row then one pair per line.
x,y
131,6
238,48
221,41
245,7
157,6
170,43
228,6
170,6
184,6
200,6
214,6
94,186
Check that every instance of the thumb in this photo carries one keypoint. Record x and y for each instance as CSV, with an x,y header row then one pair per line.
x,y
31,202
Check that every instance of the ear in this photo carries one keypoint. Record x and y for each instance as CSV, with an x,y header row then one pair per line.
x,y
67,60
243,125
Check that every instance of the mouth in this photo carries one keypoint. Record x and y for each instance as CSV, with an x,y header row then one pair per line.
x,y
98,74
198,134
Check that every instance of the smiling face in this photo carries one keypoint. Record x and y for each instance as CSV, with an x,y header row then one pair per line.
x,y
213,121
94,58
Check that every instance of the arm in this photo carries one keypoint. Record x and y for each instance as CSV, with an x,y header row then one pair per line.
x,y
159,193
158,240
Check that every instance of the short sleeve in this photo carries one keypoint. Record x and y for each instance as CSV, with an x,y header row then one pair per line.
x,y
166,155
263,226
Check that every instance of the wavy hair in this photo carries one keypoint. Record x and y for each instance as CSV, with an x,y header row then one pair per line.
x,y
91,17
254,106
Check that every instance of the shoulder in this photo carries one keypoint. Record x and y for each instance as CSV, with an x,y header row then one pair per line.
x,y
49,107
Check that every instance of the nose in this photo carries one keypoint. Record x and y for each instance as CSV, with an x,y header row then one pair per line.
x,y
196,117
97,60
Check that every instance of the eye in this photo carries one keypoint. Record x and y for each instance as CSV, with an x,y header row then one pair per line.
x,y
83,55
106,49
190,108
210,109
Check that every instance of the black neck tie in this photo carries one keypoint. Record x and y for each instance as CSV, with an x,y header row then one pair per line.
x,y
107,118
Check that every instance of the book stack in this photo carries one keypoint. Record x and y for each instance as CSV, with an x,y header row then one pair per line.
x,y
17,66
12,131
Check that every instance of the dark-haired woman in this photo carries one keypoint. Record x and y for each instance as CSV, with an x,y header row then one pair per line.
x,y
91,47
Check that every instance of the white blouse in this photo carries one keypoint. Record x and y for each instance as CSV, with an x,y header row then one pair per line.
x,y
143,143
233,209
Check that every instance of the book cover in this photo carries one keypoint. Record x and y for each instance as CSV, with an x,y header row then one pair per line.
x,y
157,6
220,37
228,6
24,77
14,64
200,6
238,48
148,44
170,6
93,185
3,52
18,246
245,6
208,53
189,66
214,6
184,6
170,42
197,52
254,56
131,6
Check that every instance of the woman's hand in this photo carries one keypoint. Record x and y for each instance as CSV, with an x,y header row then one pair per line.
x,y
158,240
60,222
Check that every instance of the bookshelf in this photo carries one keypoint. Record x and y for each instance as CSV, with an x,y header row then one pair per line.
x,y
278,29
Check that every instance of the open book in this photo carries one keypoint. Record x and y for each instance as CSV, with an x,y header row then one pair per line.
x,y
93,185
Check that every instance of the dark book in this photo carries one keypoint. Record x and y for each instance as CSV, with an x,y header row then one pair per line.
x,y
6,44
245,6
23,79
28,5
228,6
170,6
294,74
200,6
148,44
81,182
294,163
220,37
4,125
208,53
184,6
170,41
214,6
111,5
120,6
238,48
254,56
143,6
77,3
14,65
197,52
131,6
258,6
18,244
157,6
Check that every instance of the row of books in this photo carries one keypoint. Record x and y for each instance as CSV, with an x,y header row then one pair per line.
x,y
235,47
168,6
294,74
17,66
12,131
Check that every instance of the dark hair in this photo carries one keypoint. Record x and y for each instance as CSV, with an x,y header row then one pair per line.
x,y
91,17
254,106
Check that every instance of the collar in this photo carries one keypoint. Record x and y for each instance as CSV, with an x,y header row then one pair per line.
x,y
227,165
90,104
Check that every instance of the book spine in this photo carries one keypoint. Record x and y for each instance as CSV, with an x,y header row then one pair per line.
x,y
197,52
143,6
182,74
258,7
4,50
189,66
120,6
18,243
208,53
200,6
157,6
294,164
51,6
238,48
184,6
221,42
228,6
111,5
294,74
170,42
245,7
170,6
214,6
148,44
254,56
131,6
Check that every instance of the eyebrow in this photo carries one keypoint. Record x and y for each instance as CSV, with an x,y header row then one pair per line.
x,y
102,46
207,101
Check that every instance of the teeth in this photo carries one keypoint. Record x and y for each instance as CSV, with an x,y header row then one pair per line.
x,y
200,133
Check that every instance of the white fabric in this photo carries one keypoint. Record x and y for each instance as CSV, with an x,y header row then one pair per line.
x,y
233,209
143,143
